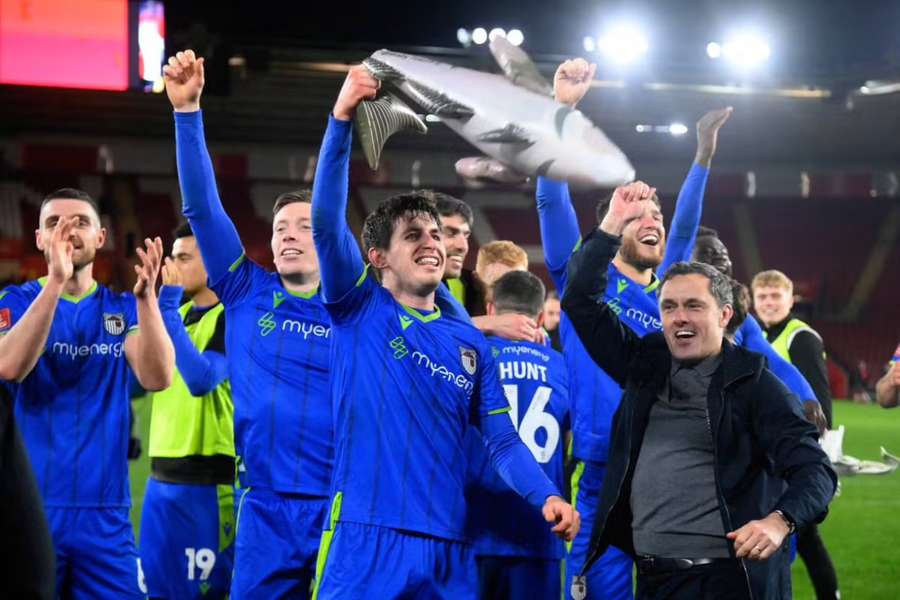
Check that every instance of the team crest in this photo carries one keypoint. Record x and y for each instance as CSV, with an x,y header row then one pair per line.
x,y
469,360
114,323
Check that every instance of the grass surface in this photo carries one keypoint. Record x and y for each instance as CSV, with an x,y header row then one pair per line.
x,y
863,527
861,531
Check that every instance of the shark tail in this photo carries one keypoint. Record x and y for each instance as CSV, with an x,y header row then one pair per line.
x,y
377,120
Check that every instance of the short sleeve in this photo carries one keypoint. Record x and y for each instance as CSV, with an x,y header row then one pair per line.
x,y
129,309
13,304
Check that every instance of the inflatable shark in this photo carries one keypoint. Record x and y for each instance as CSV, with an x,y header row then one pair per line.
x,y
514,120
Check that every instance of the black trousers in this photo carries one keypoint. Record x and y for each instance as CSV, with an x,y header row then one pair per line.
x,y
815,556
718,581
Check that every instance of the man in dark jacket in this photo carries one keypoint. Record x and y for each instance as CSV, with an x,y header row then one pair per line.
x,y
711,462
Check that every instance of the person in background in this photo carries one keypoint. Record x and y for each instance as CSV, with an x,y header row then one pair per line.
x,y
887,390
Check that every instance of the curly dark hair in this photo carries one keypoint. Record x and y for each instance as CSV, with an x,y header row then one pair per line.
x,y
380,223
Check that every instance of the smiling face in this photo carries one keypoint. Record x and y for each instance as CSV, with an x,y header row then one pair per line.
x,y
87,236
772,303
292,243
693,322
456,233
644,238
414,261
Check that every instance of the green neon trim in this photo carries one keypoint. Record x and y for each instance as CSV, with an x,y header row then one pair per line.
x,y
424,318
132,330
304,295
237,263
69,297
577,246
654,283
325,544
574,482
362,277
499,411
237,519
3,295
225,495
457,290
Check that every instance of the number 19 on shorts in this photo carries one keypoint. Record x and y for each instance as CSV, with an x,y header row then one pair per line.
x,y
202,559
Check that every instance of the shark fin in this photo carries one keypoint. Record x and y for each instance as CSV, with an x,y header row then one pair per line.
x,y
377,120
435,102
510,134
518,67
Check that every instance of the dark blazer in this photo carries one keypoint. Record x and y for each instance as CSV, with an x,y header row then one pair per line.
x,y
767,455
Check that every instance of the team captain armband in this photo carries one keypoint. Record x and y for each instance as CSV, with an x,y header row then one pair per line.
x,y
5,320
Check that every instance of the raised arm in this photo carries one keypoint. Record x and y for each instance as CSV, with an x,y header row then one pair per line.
x,y
689,206
560,233
216,234
611,344
149,351
22,345
340,262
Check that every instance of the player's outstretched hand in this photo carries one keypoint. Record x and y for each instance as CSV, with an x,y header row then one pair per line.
x,y
708,134
59,254
572,81
625,205
758,540
358,86
184,81
568,521
171,274
148,271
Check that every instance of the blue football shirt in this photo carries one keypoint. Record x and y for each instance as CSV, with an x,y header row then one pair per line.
x,y
405,387
278,348
73,408
536,384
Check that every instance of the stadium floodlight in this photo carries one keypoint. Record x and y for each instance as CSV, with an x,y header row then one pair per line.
x,y
678,129
589,44
496,32
463,36
479,35
623,44
714,50
746,50
515,37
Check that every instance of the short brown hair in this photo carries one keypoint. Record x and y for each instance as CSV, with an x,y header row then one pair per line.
x,y
773,278
286,198
500,251
71,194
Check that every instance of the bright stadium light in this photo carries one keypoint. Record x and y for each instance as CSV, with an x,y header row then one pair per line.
x,y
463,36
515,37
479,35
589,44
746,50
623,44
496,32
714,50
678,129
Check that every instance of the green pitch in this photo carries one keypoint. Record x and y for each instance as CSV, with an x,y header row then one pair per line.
x,y
860,532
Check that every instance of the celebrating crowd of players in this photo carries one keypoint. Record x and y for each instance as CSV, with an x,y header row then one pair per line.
x,y
387,424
